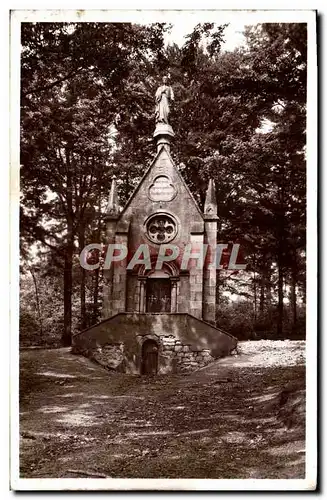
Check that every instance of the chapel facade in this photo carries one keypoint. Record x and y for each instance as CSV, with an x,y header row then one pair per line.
x,y
159,319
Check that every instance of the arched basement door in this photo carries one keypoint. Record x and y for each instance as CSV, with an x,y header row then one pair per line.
x,y
158,293
149,364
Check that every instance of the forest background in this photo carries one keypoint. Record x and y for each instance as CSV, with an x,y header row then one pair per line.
x,y
87,113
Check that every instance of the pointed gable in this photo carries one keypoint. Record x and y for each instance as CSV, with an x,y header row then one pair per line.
x,y
162,191
161,166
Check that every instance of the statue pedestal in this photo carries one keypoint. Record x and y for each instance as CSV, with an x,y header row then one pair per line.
x,y
163,129
163,134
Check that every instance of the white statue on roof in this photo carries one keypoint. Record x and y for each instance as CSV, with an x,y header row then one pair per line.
x,y
164,96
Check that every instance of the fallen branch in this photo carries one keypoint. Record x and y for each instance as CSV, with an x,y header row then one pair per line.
x,y
88,473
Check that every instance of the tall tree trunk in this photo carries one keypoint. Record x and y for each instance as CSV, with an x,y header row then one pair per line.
x,y
127,186
68,290
97,271
81,241
268,286
280,256
294,299
95,296
37,301
255,302
255,297
68,260
280,307
262,293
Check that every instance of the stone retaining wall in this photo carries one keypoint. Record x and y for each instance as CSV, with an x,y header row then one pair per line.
x,y
184,356
185,343
110,356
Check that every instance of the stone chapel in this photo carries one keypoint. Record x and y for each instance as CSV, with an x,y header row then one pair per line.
x,y
157,321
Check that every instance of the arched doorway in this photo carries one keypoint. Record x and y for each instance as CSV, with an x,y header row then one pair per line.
x,y
149,364
158,293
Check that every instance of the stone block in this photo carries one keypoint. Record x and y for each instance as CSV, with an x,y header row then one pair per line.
x,y
210,299
196,287
195,304
121,272
110,356
168,354
196,312
210,311
191,364
168,342
118,305
178,348
116,295
197,238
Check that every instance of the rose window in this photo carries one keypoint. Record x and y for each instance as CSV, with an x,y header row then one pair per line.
x,y
161,228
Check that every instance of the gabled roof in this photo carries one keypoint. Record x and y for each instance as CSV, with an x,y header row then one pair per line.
x,y
146,173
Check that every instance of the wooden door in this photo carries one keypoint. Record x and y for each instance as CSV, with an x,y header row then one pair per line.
x,y
158,295
149,358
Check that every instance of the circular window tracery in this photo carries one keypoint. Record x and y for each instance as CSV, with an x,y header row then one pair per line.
x,y
161,228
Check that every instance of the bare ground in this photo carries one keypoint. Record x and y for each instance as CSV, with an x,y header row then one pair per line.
x,y
233,419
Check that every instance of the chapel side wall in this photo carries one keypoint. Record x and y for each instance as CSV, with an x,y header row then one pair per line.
x,y
108,274
119,282
210,273
133,291
106,310
183,293
196,280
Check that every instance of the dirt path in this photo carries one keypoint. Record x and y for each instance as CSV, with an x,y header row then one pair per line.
x,y
230,420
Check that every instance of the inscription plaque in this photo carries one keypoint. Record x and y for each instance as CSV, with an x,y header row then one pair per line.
x,y
162,189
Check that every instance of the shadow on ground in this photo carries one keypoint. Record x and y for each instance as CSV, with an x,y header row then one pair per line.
x,y
225,421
